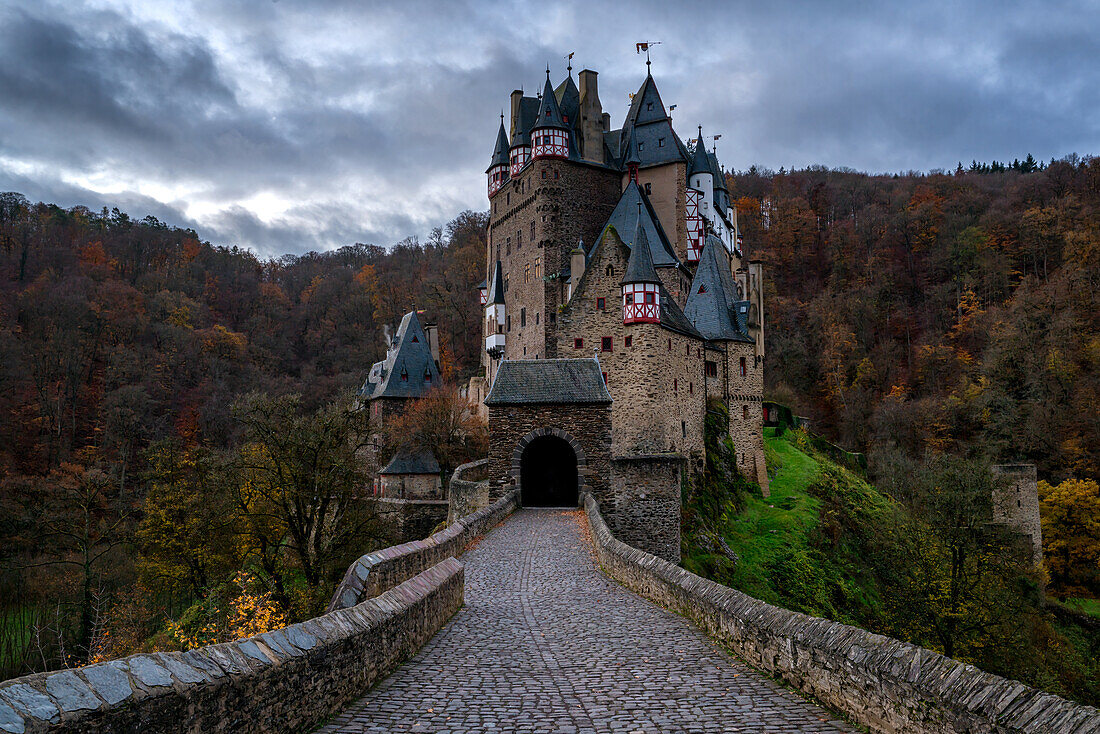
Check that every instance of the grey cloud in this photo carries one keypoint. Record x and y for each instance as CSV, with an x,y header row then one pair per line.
x,y
359,112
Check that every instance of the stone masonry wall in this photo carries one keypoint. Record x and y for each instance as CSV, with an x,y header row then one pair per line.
x,y
656,383
746,407
468,490
286,680
1016,505
412,519
645,503
668,194
884,684
373,573
563,201
588,425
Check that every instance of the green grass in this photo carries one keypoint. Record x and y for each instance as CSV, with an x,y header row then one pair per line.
x,y
1090,607
804,546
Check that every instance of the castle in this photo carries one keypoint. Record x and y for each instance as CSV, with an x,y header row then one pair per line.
x,y
618,299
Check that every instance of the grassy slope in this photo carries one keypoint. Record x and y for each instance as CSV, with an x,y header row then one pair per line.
x,y
804,546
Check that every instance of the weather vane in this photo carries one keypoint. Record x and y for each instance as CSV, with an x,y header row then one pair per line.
x,y
644,46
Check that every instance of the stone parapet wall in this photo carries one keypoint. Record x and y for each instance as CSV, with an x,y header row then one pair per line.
x,y
373,573
646,494
289,679
468,490
881,683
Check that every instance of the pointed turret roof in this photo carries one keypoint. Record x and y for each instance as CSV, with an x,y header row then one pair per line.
x,y
496,286
713,301
525,118
407,364
549,111
648,125
632,157
569,101
626,217
639,268
500,152
700,161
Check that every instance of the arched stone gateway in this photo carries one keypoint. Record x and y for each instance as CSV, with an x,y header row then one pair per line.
x,y
548,464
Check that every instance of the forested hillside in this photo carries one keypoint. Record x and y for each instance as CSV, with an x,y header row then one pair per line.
x,y
953,312
151,387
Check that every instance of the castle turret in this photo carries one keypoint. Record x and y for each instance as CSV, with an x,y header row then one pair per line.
x,y
640,284
498,166
701,176
494,314
549,134
633,160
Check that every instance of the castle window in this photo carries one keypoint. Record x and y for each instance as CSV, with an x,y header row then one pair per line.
x,y
691,387
604,377
648,189
536,323
675,385
601,303
525,351
508,198
744,369
607,344
427,375
532,231
745,412
629,299
505,283
519,238
509,320
670,345
610,270
711,369
553,317
641,146
404,375
527,272
649,297
683,429
523,317
649,106
555,174
628,341
660,142
538,268
578,343
544,174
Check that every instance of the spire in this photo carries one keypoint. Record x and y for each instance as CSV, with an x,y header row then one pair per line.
x,y
500,152
639,268
549,112
633,160
496,288
700,163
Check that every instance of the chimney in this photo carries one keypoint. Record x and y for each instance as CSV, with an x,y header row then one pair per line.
x,y
432,332
517,95
592,117
576,263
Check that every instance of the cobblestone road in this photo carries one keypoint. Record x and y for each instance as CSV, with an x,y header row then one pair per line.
x,y
547,643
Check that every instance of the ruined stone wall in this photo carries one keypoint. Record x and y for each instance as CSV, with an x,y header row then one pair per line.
x,y
411,486
644,506
656,383
289,679
883,684
1016,505
536,220
588,425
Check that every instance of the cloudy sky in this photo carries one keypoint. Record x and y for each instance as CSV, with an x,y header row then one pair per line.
x,y
289,126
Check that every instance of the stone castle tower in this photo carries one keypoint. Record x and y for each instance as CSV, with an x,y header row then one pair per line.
x,y
618,248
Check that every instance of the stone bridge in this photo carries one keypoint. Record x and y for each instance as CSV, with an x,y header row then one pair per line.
x,y
548,624
547,643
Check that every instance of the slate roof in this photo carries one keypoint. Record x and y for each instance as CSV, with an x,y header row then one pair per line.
x,y
496,286
548,381
569,101
673,318
408,360
549,114
639,267
700,160
528,113
625,220
712,304
649,126
412,461
500,152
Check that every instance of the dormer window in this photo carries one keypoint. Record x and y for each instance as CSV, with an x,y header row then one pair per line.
x,y
427,375
649,106
660,142
404,375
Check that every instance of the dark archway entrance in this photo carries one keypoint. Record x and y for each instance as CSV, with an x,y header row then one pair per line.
x,y
548,473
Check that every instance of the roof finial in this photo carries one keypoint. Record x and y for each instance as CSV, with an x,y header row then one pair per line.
x,y
700,140
647,62
547,71
569,60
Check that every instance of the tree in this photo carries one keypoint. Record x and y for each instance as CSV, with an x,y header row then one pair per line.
x,y
302,484
187,534
1070,514
440,420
